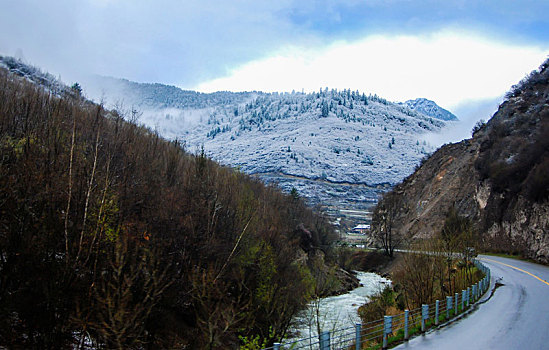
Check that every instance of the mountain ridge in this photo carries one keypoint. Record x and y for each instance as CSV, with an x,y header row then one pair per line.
x,y
329,135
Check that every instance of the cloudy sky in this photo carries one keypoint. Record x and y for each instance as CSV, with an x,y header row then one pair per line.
x,y
451,51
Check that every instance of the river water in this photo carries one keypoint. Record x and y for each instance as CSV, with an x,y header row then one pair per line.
x,y
338,311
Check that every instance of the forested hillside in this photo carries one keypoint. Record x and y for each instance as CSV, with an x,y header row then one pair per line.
x,y
112,237
333,146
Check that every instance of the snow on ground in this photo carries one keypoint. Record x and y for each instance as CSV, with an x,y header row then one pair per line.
x,y
321,138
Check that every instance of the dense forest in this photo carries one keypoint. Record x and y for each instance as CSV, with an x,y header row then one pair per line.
x,y
112,237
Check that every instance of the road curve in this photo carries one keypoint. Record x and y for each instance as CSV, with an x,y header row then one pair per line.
x,y
516,316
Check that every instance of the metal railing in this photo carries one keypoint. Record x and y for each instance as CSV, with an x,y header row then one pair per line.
x,y
380,333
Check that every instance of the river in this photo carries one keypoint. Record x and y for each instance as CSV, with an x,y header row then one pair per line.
x,y
338,311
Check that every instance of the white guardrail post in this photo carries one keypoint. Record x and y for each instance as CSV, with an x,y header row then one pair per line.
x,y
325,341
406,324
437,305
387,329
424,315
358,342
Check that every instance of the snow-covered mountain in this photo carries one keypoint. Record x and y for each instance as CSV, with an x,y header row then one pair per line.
x,y
333,136
430,108
328,144
337,148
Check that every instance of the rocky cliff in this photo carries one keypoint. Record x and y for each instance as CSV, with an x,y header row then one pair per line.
x,y
499,178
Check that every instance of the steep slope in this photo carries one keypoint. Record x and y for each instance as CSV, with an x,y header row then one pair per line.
x,y
114,238
34,74
498,178
430,108
331,146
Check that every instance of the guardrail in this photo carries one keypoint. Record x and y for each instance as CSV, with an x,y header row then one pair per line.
x,y
380,333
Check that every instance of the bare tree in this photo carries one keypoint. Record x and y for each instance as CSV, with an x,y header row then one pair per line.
x,y
458,236
133,283
383,221
417,274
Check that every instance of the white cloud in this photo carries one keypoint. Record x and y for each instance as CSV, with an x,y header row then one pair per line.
x,y
469,113
168,41
280,45
448,67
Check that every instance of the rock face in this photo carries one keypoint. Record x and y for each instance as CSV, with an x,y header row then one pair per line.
x,y
499,178
347,281
438,184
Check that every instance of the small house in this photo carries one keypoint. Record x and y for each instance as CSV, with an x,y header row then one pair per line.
x,y
361,229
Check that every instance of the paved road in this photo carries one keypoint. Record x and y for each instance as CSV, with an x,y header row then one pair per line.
x,y
516,316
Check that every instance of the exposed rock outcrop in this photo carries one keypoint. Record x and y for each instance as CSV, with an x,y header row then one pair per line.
x,y
347,281
330,279
499,178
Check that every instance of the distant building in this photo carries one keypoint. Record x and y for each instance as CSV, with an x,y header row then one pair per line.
x,y
361,229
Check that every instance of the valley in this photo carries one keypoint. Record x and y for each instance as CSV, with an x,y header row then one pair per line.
x,y
265,175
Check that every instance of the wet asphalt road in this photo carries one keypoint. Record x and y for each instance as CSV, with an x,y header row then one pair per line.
x,y
516,316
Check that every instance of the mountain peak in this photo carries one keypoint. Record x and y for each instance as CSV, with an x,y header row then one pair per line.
x,y
430,108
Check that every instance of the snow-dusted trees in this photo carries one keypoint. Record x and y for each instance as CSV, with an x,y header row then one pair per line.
x,y
325,109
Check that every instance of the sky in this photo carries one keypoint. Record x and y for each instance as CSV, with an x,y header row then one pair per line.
x,y
456,52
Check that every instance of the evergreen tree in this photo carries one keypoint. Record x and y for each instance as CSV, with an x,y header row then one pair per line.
x,y
77,89
325,109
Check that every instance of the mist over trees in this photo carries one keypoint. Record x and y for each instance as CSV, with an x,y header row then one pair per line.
x,y
112,237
